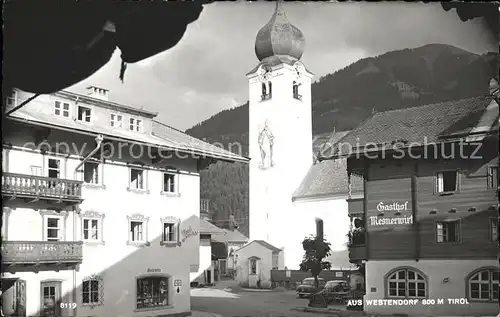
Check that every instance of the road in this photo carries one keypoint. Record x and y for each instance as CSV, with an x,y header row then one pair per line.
x,y
254,304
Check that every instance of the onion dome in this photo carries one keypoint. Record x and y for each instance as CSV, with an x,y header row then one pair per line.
x,y
279,38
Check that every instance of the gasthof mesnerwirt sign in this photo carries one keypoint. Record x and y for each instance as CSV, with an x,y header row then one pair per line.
x,y
391,214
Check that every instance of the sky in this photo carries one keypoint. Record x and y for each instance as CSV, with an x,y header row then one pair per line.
x,y
205,72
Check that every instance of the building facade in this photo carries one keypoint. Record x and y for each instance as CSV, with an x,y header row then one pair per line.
x,y
280,132
97,203
427,226
232,240
254,263
322,194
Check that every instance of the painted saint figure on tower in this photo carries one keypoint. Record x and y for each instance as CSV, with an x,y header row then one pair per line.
x,y
266,142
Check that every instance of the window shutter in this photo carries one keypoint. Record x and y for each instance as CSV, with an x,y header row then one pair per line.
x,y
489,177
438,179
177,229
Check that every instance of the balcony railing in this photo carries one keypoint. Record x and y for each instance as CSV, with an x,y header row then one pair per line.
x,y
29,185
26,252
204,203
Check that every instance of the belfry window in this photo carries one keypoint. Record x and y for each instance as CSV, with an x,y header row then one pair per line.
x,y
296,94
267,90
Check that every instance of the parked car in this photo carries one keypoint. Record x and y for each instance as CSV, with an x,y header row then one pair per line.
x,y
308,287
336,291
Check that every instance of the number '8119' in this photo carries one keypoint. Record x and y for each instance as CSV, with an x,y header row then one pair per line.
x,y
68,305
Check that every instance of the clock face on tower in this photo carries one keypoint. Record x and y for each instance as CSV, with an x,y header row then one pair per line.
x,y
299,69
264,72
266,143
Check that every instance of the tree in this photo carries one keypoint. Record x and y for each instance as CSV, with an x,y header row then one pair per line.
x,y
316,250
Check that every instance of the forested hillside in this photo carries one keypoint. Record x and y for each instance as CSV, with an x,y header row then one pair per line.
x,y
345,98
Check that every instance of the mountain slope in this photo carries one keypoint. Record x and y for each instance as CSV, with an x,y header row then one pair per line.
x,y
344,99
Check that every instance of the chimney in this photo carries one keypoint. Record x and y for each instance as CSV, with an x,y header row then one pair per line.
x,y
319,227
97,93
493,87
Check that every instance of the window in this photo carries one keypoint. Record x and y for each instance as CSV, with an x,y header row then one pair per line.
x,y
296,94
267,91
53,229
275,261
138,230
169,232
116,120
61,109
222,266
135,125
483,285
447,182
12,99
53,168
493,177
152,292
91,229
36,170
448,231
406,283
5,160
169,183
137,179
84,114
91,173
253,266
494,229
92,291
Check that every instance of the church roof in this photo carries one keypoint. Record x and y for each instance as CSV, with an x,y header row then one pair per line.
x,y
279,38
328,179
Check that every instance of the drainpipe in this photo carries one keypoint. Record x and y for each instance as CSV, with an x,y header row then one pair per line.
x,y
98,140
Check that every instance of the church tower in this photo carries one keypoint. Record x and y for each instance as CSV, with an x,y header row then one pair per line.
x,y
280,128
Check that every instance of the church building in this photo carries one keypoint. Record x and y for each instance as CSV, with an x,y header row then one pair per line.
x,y
281,141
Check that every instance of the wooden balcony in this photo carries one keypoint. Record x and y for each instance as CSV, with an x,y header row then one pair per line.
x,y
20,190
36,256
357,252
